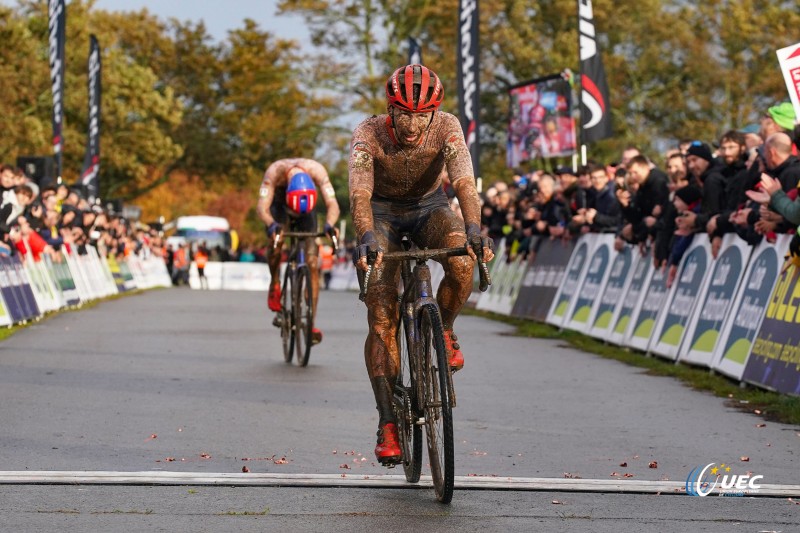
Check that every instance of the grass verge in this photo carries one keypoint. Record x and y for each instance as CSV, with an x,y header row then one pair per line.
x,y
771,406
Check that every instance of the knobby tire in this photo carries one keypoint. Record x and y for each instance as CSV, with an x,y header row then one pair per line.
x,y
405,406
287,315
304,315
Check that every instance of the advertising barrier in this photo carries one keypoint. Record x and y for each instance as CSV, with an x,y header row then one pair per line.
x,y
542,279
775,360
689,284
715,302
612,298
749,307
642,271
576,270
586,303
645,316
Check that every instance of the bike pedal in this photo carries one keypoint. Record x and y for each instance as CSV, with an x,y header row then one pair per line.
x,y
390,462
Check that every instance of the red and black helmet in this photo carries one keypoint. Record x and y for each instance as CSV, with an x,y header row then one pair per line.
x,y
400,89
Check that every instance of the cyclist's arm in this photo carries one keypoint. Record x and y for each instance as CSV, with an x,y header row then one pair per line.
x,y
361,181
266,194
323,181
459,168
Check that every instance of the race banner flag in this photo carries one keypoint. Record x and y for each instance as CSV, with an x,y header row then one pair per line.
x,y
467,65
414,52
595,99
775,359
90,175
789,59
57,24
540,120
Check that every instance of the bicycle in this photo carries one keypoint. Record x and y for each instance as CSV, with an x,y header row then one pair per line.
x,y
297,298
423,393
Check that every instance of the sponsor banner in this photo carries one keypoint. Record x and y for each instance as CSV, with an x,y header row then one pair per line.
x,y
644,318
37,290
542,279
125,272
79,277
245,276
612,298
212,272
623,320
467,73
586,305
342,275
689,284
573,278
774,361
595,96
57,24
64,282
789,59
90,175
749,307
715,302
25,298
10,292
116,273
6,318
540,123
506,281
414,54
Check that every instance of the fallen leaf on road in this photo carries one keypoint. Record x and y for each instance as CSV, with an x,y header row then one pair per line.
x,y
653,464
761,425
281,461
245,469
205,456
151,437
557,502
628,475
571,476
345,466
623,465
169,459
794,501
757,411
334,452
615,474
744,458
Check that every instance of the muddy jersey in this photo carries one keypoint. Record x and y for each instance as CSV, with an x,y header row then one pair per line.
x,y
272,192
381,169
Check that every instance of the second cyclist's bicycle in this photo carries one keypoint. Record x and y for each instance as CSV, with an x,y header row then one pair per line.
x,y
297,298
424,395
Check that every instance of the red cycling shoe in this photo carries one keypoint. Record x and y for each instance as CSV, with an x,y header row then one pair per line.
x,y
388,448
274,298
316,336
455,356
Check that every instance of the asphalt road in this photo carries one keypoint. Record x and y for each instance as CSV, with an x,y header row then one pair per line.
x,y
194,382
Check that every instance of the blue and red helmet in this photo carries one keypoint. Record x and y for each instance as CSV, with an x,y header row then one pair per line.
x,y
301,194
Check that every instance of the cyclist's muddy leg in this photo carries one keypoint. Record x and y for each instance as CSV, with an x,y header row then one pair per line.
x,y
445,229
274,261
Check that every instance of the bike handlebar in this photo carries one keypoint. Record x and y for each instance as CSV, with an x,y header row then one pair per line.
x,y
306,234
422,256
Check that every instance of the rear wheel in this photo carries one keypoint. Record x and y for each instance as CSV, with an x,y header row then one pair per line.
x,y
304,315
406,413
286,314
438,411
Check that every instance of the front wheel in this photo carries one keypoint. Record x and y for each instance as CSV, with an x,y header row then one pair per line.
x,y
405,406
437,408
287,316
303,315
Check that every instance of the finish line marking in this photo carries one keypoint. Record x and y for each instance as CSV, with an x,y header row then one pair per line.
x,y
365,481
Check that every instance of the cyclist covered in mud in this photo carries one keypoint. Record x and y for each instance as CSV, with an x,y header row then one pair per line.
x,y
397,163
288,196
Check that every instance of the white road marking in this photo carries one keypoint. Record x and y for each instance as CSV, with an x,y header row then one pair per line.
x,y
352,480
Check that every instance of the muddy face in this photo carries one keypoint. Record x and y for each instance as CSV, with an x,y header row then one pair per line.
x,y
410,127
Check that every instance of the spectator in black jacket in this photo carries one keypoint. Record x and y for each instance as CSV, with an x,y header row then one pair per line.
x,y
704,169
642,210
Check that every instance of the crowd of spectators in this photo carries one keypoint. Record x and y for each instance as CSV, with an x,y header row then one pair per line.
x,y
48,221
745,182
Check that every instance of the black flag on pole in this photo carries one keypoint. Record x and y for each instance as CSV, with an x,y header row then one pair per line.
x,y
57,11
595,101
90,175
414,52
467,73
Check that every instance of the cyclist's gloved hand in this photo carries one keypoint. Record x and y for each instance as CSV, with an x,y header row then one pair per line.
x,y
331,231
274,229
369,247
479,244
